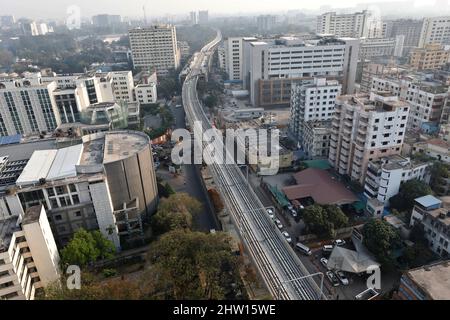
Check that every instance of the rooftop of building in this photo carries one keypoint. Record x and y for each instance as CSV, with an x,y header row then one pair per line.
x,y
433,279
394,162
32,214
425,81
321,186
381,101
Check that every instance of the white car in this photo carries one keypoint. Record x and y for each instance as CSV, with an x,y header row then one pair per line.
x,y
324,262
278,224
287,236
342,278
271,214
339,242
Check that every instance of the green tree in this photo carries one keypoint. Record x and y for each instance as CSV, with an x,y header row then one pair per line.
x,y
409,190
194,265
381,239
86,248
175,212
324,220
439,173
211,101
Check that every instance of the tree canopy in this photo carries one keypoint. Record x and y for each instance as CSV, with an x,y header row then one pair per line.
x,y
324,220
439,173
381,239
409,190
86,248
175,212
193,265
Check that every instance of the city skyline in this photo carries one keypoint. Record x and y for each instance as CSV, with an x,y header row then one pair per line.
x,y
28,8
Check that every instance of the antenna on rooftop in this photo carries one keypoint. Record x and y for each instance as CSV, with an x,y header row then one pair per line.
x,y
145,16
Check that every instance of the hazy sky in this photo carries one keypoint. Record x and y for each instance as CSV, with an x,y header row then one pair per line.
x,y
58,8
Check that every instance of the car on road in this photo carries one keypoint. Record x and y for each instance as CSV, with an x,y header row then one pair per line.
x,y
293,213
339,242
270,213
324,262
333,279
178,106
303,249
342,278
278,223
327,248
287,236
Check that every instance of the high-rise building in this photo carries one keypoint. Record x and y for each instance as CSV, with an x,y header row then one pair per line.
x,y
377,47
408,28
266,23
155,48
106,20
29,258
435,30
234,52
313,101
354,25
203,17
7,21
27,106
271,66
193,17
430,57
427,97
366,128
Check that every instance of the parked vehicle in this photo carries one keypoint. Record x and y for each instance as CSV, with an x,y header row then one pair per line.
x,y
333,279
324,262
327,248
342,278
287,236
271,214
278,224
339,242
293,213
303,249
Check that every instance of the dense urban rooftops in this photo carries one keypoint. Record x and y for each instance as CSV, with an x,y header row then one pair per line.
x,y
433,279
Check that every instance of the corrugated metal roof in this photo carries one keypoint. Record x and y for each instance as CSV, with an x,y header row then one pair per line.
x,y
37,167
428,201
65,161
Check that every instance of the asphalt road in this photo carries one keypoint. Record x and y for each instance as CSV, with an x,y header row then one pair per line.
x,y
205,220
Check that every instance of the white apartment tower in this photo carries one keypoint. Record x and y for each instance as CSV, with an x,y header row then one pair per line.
x,y
365,128
354,25
155,47
435,30
426,97
312,102
29,258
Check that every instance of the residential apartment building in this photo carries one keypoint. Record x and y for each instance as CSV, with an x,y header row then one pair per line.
x,y
434,215
155,48
185,49
372,69
435,30
313,101
27,106
234,56
146,93
106,183
266,23
222,54
203,17
430,57
353,25
365,128
271,66
409,28
316,139
29,258
430,282
123,86
379,47
385,176
426,96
